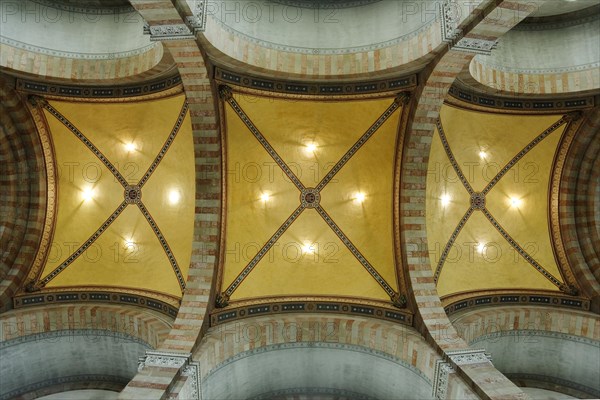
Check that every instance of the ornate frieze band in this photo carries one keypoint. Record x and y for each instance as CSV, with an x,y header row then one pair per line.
x,y
311,305
513,298
167,306
316,89
511,103
95,92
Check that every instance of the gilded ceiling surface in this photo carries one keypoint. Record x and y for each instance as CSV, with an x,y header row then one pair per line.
x,y
487,201
309,198
125,196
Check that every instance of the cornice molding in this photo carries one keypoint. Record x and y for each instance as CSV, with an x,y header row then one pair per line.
x,y
340,89
478,100
468,301
182,362
326,305
153,301
187,29
453,35
443,368
139,91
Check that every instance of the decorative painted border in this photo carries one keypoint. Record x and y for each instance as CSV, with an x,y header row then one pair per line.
x,y
485,100
515,298
329,88
95,295
536,333
593,66
311,305
104,92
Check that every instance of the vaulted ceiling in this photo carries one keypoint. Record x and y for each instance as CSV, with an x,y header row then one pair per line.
x,y
124,197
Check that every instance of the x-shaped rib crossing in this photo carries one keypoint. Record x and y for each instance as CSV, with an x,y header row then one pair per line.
x,y
132,194
478,203
309,199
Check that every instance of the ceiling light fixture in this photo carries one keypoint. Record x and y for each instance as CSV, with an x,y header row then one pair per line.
x,y
359,197
515,202
130,147
308,248
310,147
174,197
480,247
88,194
445,200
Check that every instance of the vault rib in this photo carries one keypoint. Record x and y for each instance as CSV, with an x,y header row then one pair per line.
x,y
163,151
84,246
226,95
61,118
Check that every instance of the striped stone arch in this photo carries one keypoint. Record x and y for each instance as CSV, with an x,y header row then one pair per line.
x,y
22,192
535,83
238,51
107,339
155,380
487,23
227,340
578,205
477,323
540,347
146,325
149,63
